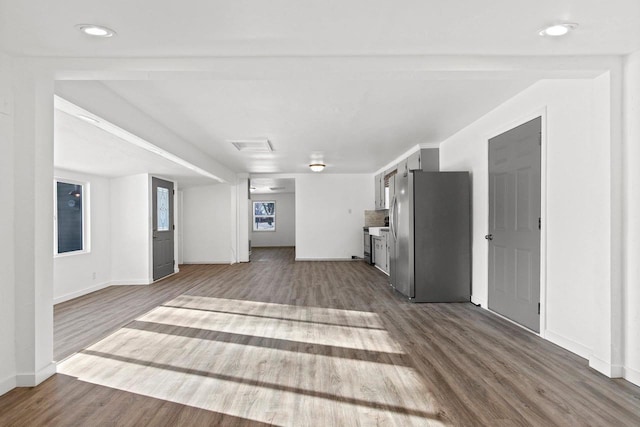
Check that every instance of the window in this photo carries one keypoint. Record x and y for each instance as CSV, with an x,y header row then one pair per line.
x,y
70,218
163,209
264,216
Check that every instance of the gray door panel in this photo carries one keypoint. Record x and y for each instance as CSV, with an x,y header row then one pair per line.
x,y
514,212
163,228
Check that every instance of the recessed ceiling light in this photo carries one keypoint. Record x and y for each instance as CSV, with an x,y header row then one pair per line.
x,y
557,30
96,30
317,167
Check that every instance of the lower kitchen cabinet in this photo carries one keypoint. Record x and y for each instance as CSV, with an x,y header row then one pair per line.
x,y
380,253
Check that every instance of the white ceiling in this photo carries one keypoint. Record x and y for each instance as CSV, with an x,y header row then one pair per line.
x,y
265,185
351,125
82,147
153,28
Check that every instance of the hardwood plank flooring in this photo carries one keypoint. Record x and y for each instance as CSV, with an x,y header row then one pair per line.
x,y
278,342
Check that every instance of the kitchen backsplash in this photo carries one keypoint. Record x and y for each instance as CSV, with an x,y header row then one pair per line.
x,y
375,218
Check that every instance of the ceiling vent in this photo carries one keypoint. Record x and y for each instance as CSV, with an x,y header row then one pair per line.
x,y
276,188
255,145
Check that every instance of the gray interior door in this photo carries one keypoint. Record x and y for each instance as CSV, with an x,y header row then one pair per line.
x,y
514,224
163,228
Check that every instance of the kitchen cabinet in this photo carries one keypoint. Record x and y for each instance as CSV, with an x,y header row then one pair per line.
x,y
380,252
379,191
426,159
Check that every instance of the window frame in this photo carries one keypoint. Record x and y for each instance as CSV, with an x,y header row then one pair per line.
x,y
254,216
86,241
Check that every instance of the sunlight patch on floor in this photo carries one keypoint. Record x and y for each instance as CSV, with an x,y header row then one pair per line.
x,y
307,332
329,315
316,375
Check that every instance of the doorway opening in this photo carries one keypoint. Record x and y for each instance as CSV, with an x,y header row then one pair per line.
x,y
272,214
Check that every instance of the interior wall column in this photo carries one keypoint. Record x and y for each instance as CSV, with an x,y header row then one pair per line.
x,y
33,224
607,351
631,225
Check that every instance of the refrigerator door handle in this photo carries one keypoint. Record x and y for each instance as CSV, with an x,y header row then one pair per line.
x,y
392,221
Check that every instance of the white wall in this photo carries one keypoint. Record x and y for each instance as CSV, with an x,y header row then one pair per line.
x,y
208,224
285,233
243,234
73,275
330,214
631,225
7,278
576,215
131,230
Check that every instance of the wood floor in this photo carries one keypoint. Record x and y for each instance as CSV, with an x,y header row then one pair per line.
x,y
278,342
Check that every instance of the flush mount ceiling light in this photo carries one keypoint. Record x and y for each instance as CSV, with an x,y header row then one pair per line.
x,y
317,167
254,145
96,30
557,30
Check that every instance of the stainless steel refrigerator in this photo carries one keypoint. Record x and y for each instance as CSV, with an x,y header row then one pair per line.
x,y
429,221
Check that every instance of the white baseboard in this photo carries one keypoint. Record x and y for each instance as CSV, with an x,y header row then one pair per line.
x,y
7,384
227,262
605,368
327,259
567,344
632,376
130,282
479,301
32,380
81,292
381,270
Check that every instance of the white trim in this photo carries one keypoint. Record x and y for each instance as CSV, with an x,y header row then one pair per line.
x,y
32,380
381,270
81,292
479,301
7,384
631,375
130,282
605,368
212,262
513,322
567,344
165,277
327,259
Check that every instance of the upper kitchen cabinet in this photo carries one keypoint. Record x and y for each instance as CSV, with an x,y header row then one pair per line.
x,y
379,191
426,159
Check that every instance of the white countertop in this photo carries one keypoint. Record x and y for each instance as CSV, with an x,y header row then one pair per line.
x,y
376,231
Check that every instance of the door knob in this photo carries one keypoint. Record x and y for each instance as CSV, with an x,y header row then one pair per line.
x,y
489,237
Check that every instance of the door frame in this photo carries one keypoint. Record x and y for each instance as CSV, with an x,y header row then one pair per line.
x,y
542,113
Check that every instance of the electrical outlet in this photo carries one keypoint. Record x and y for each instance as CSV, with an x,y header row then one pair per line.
x,y
94,275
